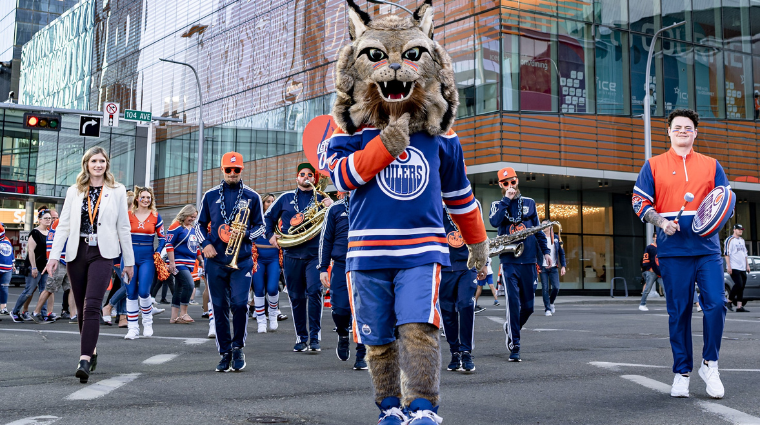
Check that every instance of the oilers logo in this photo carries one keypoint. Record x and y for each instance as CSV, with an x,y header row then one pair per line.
x,y
6,249
638,203
192,243
406,177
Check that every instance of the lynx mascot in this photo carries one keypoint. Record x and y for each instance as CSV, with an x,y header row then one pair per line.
x,y
396,102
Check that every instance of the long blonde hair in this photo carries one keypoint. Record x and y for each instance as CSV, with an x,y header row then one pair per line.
x,y
83,179
136,201
184,213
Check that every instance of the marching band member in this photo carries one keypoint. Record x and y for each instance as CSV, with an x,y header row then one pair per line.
x,y
300,262
266,279
333,245
684,256
228,287
457,298
146,224
95,221
513,213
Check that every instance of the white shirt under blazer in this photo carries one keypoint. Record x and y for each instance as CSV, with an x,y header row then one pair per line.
x,y
114,230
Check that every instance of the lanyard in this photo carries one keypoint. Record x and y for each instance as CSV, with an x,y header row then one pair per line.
x,y
89,208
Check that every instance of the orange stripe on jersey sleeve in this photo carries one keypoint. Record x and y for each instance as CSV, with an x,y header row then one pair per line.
x,y
397,242
344,175
174,225
471,226
460,201
372,159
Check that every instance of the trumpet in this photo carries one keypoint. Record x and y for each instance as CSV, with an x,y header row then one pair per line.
x,y
506,243
239,224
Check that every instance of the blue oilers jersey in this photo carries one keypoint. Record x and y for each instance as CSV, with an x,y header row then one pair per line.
x,y
6,254
396,219
287,211
183,242
458,252
662,183
523,210
212,228
333,241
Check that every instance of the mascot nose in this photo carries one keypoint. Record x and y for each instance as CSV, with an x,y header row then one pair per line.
x,y
395,66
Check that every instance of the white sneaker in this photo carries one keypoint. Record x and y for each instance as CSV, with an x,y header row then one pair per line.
x,y
157,310
132,334
551,307
423,416
262,327
147,331
709,373
548,313
211,329
273,321
643,308
699,307
680,386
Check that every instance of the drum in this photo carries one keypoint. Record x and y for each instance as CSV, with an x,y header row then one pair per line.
x,y
714,211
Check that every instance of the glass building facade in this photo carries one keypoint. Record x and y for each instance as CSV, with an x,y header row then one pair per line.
x,y
554,88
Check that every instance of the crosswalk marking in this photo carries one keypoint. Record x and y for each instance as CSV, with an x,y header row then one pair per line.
x,y
36,420
188,341
159,359
616,366
102,388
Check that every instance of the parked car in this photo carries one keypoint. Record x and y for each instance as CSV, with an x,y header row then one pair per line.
x,y
17,279
752,288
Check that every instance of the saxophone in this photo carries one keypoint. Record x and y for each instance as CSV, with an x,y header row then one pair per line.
x,y
240,223
506,243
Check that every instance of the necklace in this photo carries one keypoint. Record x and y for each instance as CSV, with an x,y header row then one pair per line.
x,y
454,225
226,219
348,200
517,219
295,201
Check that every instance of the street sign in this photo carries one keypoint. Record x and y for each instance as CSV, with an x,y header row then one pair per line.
x,y
111,114
140,116
89,126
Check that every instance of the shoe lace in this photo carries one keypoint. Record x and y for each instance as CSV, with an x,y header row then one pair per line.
x,y
393,411
420,414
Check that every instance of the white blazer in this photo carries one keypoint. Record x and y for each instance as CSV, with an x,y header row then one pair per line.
x,y
114,230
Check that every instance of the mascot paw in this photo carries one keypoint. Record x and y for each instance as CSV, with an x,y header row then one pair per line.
x,y
478,255
395,135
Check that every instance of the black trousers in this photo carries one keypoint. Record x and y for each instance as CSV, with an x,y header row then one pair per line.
x,y
737,292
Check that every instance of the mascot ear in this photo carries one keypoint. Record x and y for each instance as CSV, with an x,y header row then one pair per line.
x,y
423,17
357,20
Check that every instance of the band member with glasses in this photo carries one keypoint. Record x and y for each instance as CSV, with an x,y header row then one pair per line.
x,y
333,245
146,224
228,286
685,257
300,262
511,214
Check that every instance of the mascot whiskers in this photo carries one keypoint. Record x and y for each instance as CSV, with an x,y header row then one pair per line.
x,y
395,149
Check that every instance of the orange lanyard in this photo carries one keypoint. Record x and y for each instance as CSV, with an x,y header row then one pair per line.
x,y
89,208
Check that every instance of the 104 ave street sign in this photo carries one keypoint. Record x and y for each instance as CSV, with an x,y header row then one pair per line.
x,y
141,116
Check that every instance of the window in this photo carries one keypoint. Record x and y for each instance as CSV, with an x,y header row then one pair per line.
x,y
510,41
612,77
707,22
708,75
564,206
597,213
754,25
576,67
612,13
487,66
673,12
739,102
572,246
640,46
536,72
645,15
460,42
736,25
756,86
598,254
677,75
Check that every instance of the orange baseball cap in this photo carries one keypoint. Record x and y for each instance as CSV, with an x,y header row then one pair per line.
x,y
232,159
506,173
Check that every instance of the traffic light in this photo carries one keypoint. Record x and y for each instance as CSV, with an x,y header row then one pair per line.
x,y
35,121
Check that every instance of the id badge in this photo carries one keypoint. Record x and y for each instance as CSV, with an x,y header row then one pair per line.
x,y
92,240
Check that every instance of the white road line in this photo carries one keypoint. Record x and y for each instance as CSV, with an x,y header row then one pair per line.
x,y
728,414
102,388
496,319
36,420
700,318
558,330
159,359
188,341
616,366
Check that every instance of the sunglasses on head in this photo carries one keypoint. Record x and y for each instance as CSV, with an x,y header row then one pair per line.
x,y
512,182
230,170
302,174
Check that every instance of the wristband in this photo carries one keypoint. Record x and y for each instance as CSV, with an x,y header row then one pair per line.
x,y
34,268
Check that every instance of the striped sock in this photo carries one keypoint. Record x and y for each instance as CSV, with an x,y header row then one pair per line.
x,y
274,302
258,303
132,309
210,311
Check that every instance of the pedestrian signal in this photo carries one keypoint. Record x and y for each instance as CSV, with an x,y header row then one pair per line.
x,y
35,121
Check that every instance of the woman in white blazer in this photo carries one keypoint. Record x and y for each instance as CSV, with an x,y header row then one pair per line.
x,y
94,229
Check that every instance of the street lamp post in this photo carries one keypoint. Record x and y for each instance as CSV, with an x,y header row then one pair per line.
x,y
648,113
199,189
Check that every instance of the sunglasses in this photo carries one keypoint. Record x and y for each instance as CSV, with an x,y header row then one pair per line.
x,y
306,174
512,182
230,170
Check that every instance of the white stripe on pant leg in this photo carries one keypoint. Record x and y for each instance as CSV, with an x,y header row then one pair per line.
x,y
321,311
355,327
431,317
212,317
292,309
472,342
507,327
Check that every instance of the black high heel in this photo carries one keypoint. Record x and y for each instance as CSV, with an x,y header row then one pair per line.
x,y
83,371
93,362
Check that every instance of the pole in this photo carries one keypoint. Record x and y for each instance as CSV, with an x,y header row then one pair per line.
x,y
648,113
199,189
148,154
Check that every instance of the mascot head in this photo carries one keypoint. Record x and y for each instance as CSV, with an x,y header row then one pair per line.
x,y
393,66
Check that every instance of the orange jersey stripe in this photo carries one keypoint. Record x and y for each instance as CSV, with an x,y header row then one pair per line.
x,y
372,159
471,226
460,201
395,242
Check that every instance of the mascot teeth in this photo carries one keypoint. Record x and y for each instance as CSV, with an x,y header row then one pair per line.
x,y
396,91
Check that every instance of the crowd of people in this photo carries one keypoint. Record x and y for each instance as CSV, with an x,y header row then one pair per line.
x,y
111,253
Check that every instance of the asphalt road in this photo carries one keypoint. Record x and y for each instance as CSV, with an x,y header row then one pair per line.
x,y
596,361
